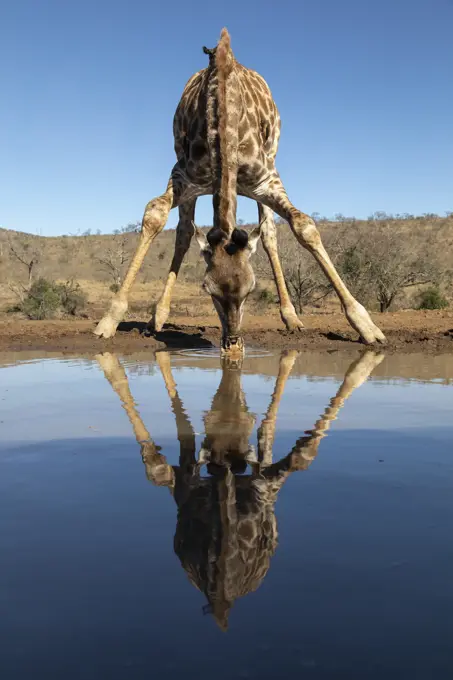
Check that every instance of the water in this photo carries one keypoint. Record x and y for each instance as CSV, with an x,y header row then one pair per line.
x,y
290,518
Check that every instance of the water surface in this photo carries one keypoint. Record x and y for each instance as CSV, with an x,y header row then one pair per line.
x,y
290,517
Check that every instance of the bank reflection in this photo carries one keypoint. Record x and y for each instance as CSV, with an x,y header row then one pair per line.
x,y
226,531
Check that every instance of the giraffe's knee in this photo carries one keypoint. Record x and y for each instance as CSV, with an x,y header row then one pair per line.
x,y
155,216
305,231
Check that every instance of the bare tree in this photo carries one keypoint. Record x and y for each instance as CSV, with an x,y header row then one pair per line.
x,y
131,227
304,279
379,262
27,252
115,257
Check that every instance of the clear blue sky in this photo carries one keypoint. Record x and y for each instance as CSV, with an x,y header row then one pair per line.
x,y
89,89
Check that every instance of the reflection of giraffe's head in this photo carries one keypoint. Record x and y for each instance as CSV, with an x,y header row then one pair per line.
x,y
225,538
228,424
229,279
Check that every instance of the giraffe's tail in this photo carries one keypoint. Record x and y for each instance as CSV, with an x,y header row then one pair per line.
x,y
223,113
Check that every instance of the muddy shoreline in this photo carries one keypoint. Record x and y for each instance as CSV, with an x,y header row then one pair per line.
x,y
421,332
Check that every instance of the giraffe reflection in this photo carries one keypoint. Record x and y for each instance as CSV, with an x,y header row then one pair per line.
x,y
226,529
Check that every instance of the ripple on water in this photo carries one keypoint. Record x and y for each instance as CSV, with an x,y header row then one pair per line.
x,y
211,352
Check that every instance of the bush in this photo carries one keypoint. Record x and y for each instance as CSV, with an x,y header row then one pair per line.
x,y
265,296
261,298
114,287
72,297
432,298
46,298
42,301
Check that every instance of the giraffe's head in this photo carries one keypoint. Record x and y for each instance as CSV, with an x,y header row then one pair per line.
x,y
229,278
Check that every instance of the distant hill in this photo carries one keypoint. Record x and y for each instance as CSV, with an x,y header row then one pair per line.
x,y
102,259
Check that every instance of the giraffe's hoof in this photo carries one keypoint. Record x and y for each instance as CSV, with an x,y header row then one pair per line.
x,y
361,321
372,335
159,319
106,328
290,319
294,324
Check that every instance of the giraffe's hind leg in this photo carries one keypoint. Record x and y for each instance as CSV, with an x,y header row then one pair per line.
x,y
154,220
272,194
184,232
269,239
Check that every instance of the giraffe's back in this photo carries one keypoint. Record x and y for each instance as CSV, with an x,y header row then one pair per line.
x,y
258,126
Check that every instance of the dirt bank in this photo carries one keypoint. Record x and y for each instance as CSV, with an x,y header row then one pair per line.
x,y
430,332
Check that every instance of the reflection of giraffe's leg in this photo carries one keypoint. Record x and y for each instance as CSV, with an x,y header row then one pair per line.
x,y
163,361
266,431
184,429
273,194
359,371
116,375
158,470
154,220
269,239
305,449
184,233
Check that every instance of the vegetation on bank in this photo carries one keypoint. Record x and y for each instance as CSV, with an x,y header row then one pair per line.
x,y
389,262
47,299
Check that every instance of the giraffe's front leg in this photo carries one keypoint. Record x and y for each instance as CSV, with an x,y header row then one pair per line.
x,y
269,240
154,220
184,234
273,195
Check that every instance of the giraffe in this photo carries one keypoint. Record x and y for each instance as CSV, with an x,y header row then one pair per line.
x,y
226,133
226,532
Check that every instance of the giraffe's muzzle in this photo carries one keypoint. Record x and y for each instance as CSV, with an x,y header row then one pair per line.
x,y
232,345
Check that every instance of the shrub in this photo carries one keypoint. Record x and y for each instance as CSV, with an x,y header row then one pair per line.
x,y
42,300
265,296
114,287
432,298
261,298
72,297
46,298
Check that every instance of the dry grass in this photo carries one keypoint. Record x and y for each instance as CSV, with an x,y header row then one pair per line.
x,y
78,258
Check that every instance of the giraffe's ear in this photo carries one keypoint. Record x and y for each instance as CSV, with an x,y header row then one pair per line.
x,y
254,237
202,240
